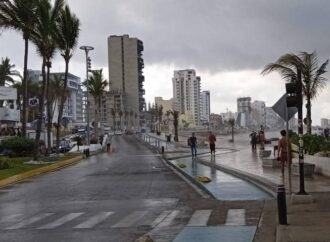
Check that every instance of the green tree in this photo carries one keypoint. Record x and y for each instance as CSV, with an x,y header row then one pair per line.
x,y
7,73
231,122
113,114
44,39
67,39
96,86
20,15
120,113
303,66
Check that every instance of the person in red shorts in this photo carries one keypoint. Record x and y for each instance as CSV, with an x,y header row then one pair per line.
x,y
212,140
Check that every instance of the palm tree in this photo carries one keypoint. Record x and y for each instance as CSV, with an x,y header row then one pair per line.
x,y
21,16
160,116
302,67
96,86
313,82
6,72
125,116
231,122
120,113
67,39
131,113
44,39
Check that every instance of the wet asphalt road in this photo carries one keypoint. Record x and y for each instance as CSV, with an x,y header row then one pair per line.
x,y
110,197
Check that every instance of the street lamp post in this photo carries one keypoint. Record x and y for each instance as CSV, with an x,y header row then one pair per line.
x,y
87,49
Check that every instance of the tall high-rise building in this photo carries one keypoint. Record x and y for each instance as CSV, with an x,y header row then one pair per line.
x,y
125,73
186,93
205,107
258,113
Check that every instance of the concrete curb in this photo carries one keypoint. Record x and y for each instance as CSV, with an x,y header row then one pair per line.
x,y
48,168
190,178
259,181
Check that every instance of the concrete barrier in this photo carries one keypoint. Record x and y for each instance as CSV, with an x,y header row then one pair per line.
x,y
308,169
322,164
270,162
48,168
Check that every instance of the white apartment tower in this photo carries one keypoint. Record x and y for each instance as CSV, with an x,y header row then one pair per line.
x,y
186,93
205,107
125,73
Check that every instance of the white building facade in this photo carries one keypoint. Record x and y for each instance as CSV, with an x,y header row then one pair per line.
x,y
186,94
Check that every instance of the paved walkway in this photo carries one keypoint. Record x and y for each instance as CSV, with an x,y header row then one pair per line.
x,y
306,222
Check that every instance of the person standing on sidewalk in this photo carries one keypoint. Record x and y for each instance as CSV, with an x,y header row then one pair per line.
x,y
253,137
192,141
212,140
284,151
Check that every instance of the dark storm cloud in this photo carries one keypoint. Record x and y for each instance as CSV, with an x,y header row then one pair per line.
x,y
210,35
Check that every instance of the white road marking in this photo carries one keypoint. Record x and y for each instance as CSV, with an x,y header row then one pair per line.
x,y
160,218
168,220
91,222
10,218
61,221
130,219
199,218
235,217
29,221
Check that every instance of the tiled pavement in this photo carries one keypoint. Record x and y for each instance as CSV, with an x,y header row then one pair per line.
x,y
306,222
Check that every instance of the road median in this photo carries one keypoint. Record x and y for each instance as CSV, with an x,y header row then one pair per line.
x,y
45,169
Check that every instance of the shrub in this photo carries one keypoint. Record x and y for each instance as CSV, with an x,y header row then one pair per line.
x,y
20,146
4,164
312,143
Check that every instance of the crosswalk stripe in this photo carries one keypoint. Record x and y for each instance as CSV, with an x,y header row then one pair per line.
x,y
60,221
235,217
168,220
130,219
160,218
199,218
91,222
29,221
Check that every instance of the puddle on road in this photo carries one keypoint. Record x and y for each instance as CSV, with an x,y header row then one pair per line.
x,y
223,186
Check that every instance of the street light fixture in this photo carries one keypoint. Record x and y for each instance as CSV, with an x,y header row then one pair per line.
x,y
87,49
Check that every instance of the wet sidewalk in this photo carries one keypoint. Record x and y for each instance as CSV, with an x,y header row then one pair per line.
x,y
306,222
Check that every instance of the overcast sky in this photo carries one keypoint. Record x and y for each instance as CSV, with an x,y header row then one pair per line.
x,y
227,42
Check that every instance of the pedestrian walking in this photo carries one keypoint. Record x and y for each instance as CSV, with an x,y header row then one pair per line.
x,y
253,141
192,141
212,140
109,139
261,138
284,151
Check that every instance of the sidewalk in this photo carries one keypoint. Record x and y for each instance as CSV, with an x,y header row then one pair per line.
x,y
306,222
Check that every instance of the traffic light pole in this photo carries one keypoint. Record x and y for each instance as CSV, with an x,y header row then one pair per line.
x,y
300,133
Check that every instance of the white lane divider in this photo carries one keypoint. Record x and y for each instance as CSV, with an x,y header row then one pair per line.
x,y
130,219
199,218
160,218
11,218
91,222
61,221
235,217
168,220
29,221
